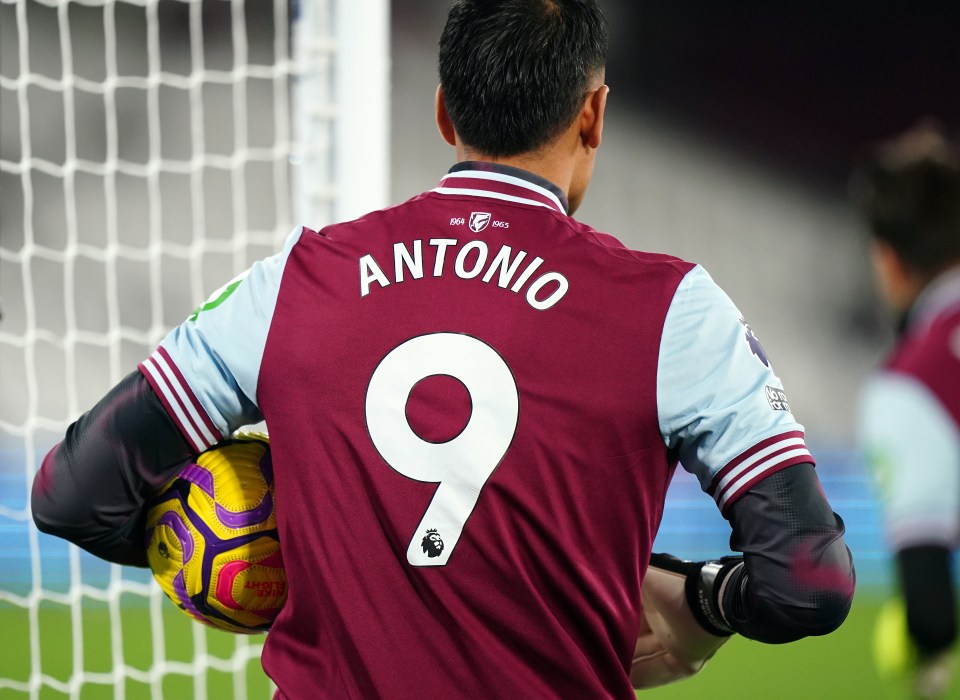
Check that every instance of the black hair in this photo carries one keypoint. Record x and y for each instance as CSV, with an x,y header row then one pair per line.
x,y
515,72
910,192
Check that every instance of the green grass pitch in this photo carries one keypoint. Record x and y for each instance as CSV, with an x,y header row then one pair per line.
x,y
57,650
837,666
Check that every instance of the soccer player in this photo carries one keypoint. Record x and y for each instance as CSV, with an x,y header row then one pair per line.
x,y
911,407
476,404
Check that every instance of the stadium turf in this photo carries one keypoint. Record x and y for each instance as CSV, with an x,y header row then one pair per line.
x,y
135,639
834,667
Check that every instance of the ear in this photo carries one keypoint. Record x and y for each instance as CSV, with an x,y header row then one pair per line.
x,y
889,266
444,124
591,118
899,283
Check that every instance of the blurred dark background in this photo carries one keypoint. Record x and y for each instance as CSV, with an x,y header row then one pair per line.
x,y
805,85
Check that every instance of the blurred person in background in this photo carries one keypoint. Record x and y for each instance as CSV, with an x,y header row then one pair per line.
x,y
910,417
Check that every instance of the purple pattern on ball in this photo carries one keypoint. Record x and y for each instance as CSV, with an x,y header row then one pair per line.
x,y
180,588
246,518
199,476
266,466
203,479
173,521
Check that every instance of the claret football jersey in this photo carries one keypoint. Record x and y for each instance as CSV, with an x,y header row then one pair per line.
x,y
475,404
910,423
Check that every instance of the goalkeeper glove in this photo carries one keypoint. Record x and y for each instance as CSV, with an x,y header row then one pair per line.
x,y
682,625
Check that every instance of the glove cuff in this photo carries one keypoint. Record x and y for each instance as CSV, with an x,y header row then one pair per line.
x,y
705,590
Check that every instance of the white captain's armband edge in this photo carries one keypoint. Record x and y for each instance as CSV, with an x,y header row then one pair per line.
x,y
757,463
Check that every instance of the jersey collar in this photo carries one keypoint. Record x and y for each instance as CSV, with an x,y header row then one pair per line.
x,y
497,181
941,294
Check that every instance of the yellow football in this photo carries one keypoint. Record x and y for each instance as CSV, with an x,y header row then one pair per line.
x,y
212,537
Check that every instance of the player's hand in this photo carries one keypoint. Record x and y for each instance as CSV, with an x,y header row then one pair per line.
x,y
897,659
673,642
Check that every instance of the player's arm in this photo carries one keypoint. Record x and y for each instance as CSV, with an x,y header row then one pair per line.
x,y
797,578
92,485
913,447
724,412
196,388
675,640
772,593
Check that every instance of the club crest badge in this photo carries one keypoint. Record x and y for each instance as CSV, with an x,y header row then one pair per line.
x,y
478,221
431,544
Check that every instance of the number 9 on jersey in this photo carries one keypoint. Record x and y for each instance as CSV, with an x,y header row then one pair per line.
x,y
460,466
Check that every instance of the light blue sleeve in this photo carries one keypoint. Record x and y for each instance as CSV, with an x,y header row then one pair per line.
x,y
206,370
913,448
721,406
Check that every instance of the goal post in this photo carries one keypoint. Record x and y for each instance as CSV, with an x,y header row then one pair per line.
x,y
150,150
359,87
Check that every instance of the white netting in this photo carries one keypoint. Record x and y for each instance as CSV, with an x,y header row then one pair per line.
x,y
145,158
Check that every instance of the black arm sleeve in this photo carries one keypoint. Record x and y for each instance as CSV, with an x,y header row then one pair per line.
x,y
798,577
91,487
927,585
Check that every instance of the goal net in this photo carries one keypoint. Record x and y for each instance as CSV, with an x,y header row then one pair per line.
x,y
150,150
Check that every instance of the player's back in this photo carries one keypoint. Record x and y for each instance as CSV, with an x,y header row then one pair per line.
x,y
462,396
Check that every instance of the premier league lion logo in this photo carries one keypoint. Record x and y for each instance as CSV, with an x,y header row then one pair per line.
x,y
432,544
755,347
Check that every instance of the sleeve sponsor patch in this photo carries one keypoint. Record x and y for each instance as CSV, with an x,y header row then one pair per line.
x,y
777,398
